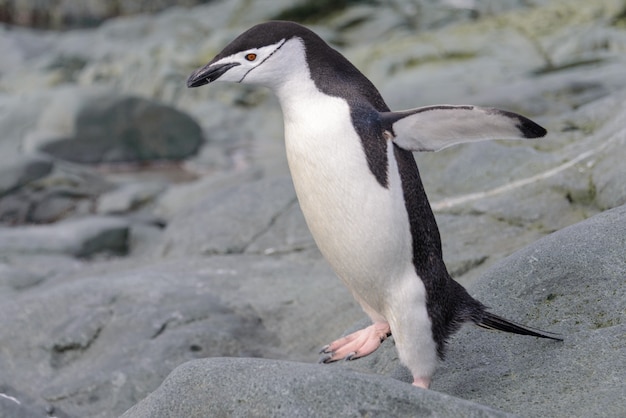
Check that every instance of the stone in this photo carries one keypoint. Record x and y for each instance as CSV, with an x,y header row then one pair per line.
x,y
53,206
607,171
181,196
18,279
258,387
61,332
22,171
82,237
15,404
64,191
129,197
96,126
288,233
19,115
74,14
608,177
570,282
227,222
39,268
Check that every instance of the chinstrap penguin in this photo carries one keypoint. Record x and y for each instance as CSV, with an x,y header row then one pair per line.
x,y
359,188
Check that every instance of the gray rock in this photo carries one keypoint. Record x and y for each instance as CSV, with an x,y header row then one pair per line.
x,y
73,14
143,235
229,221
19,115
527,61
12,407
608,177
67,190
607,171
53,206
261,388
22,171
37,205
179,197
12,48
39,268
94,345
94,125
14,404
229,274
288,233
298,297
81,237
280,230
129,197
17,278
366,23
571,282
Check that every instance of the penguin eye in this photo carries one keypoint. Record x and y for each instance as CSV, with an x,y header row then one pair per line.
x,y
250,57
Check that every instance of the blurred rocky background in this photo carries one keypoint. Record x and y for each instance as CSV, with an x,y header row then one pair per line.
x,y
145,226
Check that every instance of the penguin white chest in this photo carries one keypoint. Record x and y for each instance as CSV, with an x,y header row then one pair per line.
x,y
360,226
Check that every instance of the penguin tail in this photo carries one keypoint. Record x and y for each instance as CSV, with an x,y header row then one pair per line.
x,y
492,321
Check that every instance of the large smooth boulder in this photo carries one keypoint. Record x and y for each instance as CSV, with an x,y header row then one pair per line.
x,y
570,282
95,344
264,388
237,219
80,237
99,126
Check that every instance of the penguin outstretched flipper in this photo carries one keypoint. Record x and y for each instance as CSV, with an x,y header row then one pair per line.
x,y
433,128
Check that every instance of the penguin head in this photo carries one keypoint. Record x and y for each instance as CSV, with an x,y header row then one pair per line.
x,y
263,55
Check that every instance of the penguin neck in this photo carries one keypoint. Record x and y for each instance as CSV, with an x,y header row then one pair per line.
x,y
296,105
313,68
295,88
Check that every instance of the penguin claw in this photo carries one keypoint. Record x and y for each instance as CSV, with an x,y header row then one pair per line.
x,y
328,358
325,349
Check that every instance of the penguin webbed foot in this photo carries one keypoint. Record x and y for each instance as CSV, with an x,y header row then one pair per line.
x,y
356,345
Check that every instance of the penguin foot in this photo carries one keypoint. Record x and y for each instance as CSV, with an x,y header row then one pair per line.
x,y
422,382
356,345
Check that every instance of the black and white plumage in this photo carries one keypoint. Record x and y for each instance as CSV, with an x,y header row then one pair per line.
x,y
359,188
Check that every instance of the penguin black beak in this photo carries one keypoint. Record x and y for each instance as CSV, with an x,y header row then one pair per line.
x,y
208,73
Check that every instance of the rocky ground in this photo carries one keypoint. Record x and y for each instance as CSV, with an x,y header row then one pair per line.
x,y
154,261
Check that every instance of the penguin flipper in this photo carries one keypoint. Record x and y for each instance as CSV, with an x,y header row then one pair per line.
x,y
493,321
432,128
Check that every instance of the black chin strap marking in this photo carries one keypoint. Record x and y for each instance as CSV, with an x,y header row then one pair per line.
x,y
266,58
